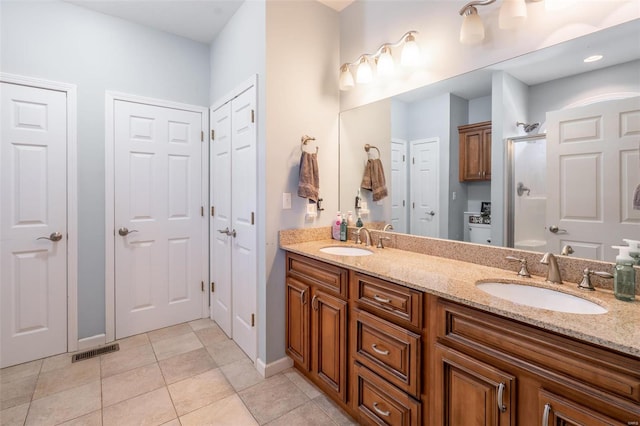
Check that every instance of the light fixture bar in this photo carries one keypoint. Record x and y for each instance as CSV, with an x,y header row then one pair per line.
x,y
382,48
475,3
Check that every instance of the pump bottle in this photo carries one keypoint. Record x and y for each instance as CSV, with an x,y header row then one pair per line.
x,y
624,276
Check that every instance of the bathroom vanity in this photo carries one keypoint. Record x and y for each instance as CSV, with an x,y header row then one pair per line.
x,y
402,338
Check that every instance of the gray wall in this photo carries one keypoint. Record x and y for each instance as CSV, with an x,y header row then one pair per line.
x,y
458,115
62,42
303,45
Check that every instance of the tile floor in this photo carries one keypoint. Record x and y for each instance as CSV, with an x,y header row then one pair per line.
x,y
188,374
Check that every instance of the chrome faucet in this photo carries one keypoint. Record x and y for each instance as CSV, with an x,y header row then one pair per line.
x,y
553,275
388,227
367,233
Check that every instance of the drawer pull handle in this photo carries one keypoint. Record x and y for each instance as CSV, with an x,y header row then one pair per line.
x,y
315,308
382,413
545,414
380,299
501,406
302,299
380,351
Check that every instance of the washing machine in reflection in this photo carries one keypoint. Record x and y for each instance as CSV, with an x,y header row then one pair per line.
x,y
477,228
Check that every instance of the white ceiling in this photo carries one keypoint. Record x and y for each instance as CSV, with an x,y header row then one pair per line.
x,y
198,20
337,4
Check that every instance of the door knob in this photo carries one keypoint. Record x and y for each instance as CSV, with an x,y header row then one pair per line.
x,y
124,231
554,229
431,213
55,236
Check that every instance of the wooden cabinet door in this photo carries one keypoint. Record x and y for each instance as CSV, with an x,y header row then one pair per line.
x,y
471,393
486,154
329,343
557,411
471,155
475,151
297,324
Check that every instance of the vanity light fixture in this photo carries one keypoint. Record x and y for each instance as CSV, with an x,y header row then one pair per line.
x,y
383,60
512,13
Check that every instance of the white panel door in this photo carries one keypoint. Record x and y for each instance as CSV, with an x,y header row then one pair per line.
x,y
592,157
424,187
221,239
158,221
243,208
399,185
34,199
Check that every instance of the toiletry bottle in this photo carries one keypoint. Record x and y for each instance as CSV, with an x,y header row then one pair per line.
x,y
343,229
358,200
359,223
350,218
335,228
624,276
634,249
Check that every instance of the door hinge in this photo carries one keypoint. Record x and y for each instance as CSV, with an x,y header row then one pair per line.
x,y
413,205
253,218
201,135
213,209
202,211
213,134
202,286
253,320
413,160
403,203
213,287
253,116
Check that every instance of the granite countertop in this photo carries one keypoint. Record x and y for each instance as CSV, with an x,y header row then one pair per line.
x,y
618,329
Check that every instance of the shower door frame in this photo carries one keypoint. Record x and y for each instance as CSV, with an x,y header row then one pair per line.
x,y
510,184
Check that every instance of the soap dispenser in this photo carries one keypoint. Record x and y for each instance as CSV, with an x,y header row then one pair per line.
x,y
634,249
624,276
335,228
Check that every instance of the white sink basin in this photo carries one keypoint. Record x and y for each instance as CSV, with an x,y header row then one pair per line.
x,y
538,297
346,251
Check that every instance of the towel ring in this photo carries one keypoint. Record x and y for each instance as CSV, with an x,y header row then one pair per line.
x,y
304,139
368,147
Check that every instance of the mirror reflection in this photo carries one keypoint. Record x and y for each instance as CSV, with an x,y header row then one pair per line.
x,y
481,157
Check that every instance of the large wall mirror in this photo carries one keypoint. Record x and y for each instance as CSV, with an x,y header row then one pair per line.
x,y
550,151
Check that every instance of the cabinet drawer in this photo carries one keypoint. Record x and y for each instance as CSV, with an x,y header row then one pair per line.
x,y
556,357
394,302
378,402
329,277
390,351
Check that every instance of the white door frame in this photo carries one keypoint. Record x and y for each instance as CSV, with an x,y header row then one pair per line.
x,y
72,194
109,283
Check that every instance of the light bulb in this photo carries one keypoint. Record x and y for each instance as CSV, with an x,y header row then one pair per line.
x,y
385,62
410,52
346,78
512,14
472,29
364,74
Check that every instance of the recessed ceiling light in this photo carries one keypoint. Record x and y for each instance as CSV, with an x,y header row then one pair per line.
x,y
592,58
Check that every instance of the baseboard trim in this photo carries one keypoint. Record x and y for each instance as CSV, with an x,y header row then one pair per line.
x,y
273,368
92,342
